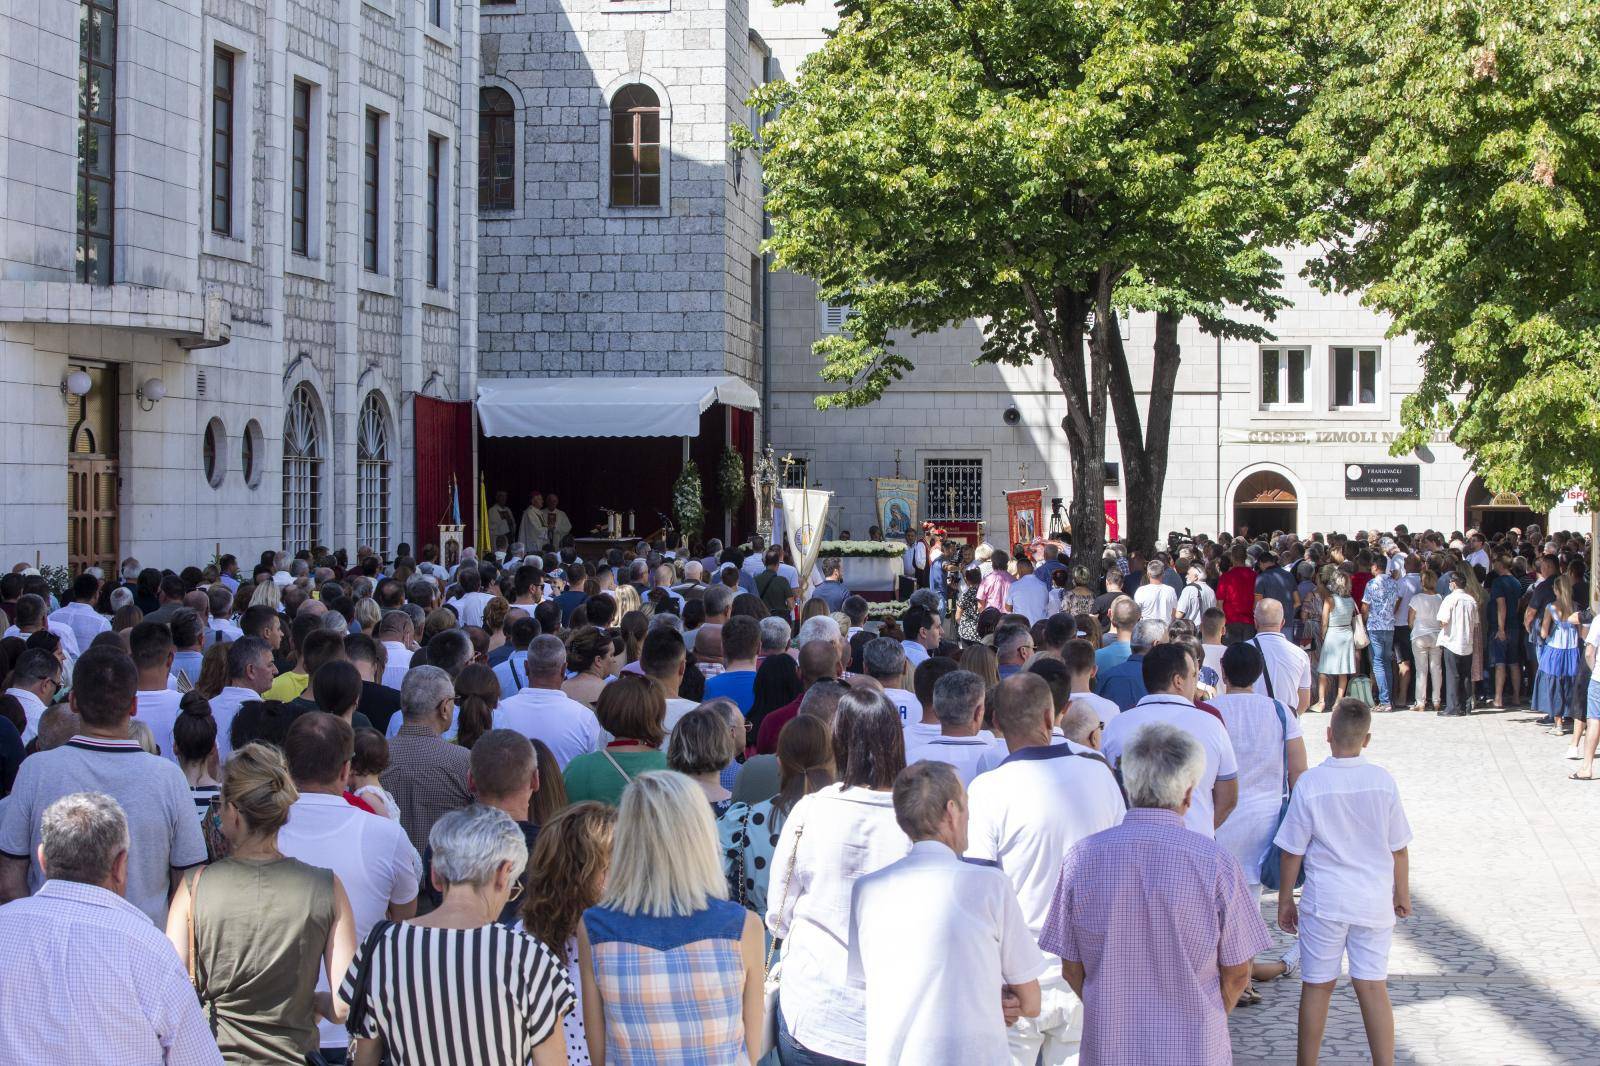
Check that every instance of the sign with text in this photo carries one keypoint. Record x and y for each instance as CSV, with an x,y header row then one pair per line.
x,y
1382,481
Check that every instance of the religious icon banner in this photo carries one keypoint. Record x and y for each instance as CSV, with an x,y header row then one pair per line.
x,y
897,505
1024,508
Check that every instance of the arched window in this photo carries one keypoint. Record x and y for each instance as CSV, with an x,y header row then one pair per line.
x,y
635,147
372,476
497,149
302,471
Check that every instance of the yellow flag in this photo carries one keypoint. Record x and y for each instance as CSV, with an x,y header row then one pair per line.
x,y
485,545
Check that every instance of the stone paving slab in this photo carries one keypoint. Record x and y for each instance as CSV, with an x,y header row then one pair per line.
x,y
1499,964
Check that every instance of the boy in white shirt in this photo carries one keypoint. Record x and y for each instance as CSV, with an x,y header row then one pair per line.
x,y
1346,824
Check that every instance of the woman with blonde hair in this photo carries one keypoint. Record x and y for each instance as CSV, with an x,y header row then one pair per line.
x,y
627,598
267,595
671,968
494,621
566,874
981,660
254,928
368,615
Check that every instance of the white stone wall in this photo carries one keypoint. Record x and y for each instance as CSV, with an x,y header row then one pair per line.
x,y
318,319
571,284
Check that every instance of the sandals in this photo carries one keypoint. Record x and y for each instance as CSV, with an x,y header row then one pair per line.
x,y
1575,776
1249,997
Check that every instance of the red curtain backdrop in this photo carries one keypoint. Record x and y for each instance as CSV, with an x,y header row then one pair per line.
x,y
444,447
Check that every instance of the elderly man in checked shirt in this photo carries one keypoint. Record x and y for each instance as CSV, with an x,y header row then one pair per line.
x,y
1154,923
86,977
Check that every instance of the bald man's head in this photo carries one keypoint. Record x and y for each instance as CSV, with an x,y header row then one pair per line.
x,y
818,659
1269,615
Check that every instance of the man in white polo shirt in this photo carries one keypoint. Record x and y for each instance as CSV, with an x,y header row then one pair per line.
x,y
372,856
1156,599
1287,677
1170,676
1026,813
1079,657
250,673
885,662
541,711
936,941
961,743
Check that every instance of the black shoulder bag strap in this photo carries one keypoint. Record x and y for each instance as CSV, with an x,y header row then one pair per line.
x,y
363,982
1266,672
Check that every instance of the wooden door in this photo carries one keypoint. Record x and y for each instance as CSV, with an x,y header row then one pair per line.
x,y
92,538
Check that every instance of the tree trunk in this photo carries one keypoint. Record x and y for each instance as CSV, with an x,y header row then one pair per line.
x,y
1144,459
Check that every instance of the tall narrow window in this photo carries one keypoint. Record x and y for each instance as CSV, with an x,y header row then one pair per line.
x,y
436,12
435,150
302,471
1283,377
300,171
1355,377
372,476
222,142
97,110
497,150
372,148
636,147
755,288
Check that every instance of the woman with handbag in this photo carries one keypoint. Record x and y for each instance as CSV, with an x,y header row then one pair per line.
x,y
254,928
750,831
456,986
1338,658
634,711
670,967
832,838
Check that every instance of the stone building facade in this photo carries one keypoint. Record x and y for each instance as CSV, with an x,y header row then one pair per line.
x,y
590,264
226,272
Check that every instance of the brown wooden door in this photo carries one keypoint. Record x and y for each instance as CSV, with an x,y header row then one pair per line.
x,y
92,536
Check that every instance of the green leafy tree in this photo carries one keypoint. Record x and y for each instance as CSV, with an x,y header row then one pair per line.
x,y
1463,139
1042,166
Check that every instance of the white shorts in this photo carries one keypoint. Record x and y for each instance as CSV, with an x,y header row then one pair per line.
x,y
1324,943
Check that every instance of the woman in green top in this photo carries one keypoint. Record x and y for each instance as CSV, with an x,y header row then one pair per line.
x,y
633,710
254,928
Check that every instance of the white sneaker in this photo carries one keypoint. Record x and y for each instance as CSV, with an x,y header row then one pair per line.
x,y
1291,960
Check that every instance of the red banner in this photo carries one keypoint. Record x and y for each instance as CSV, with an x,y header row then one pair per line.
x,y
1111,521
443,447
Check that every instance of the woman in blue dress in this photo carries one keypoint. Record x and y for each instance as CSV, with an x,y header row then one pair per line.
x,y
1558,655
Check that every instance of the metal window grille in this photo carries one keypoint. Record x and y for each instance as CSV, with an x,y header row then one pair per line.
x,y
97,130
497,150
300,172
222,143
435,154
794,473
370,194
954,488
302,472
372,477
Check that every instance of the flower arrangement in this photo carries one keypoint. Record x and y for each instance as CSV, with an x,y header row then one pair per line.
x,y
861,549
688,508
889,611
731,483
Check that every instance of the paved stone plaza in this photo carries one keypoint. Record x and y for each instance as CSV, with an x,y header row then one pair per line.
x,y
1500,962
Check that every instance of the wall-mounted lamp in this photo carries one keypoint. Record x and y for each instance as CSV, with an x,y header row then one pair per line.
x,y
152,392
76,383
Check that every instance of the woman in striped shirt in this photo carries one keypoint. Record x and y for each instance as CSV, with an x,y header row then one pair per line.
x,y
454,988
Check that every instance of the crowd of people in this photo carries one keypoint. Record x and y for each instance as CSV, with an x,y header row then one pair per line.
x,y
671,806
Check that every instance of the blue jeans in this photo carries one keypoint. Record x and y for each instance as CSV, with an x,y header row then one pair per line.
x,y
791,1053
1382,651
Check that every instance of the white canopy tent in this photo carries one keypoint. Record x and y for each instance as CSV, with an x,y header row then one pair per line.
x,y
605,406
